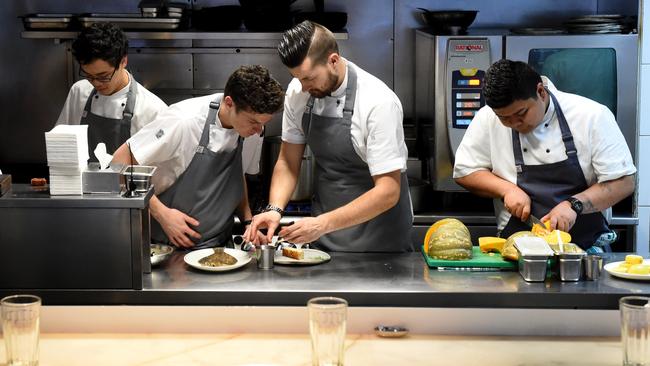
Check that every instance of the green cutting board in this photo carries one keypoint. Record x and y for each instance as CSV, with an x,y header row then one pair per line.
x,y
479,260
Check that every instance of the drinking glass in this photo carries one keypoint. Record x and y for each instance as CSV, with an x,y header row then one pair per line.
x,y
635,330
327,326
20,327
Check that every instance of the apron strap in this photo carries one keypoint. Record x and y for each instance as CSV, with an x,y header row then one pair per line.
x,y
350,93
211,119
567,137
307,116
127,114
89,103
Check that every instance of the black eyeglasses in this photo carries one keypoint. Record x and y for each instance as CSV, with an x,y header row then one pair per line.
x,y
101,79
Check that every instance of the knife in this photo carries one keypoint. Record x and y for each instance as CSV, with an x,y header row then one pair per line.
x,y
532,220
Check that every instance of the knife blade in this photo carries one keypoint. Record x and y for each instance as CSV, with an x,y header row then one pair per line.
x,y
532,220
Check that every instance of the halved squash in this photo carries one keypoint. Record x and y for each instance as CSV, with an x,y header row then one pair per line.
x,y
448,239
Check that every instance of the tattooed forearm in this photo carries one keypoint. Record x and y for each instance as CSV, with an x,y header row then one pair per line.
x,y
603,195
588,207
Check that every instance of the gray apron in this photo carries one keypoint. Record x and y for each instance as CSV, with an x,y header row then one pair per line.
x,y
209,190
111,131
549,184
341,176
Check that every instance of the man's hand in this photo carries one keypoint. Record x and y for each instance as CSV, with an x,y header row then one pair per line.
x,y
305,230
258,236
176,227
269,220
562,217
517,202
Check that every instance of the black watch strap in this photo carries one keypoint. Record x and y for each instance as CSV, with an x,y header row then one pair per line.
x,y
576,204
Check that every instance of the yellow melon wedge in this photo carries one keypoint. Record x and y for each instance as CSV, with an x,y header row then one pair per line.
x,y
491,244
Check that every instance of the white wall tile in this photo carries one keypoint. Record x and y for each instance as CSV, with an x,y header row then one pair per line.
x,y
642,244
643,169
644,99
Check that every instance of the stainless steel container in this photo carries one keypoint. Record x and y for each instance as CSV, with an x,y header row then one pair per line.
x,y
533,268
569,261
97,180
593,265
570,266
138,177
534,253
265,256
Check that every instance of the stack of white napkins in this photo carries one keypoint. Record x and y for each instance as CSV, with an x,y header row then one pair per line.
x,y
67,156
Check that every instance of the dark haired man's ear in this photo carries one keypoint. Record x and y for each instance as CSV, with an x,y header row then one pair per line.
x,y
227,100
124,62
333,58
541,91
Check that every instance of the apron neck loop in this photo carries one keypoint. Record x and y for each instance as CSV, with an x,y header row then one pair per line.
x,y
210,119
350,93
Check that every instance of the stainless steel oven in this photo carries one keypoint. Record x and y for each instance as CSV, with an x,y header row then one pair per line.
x,y
450,71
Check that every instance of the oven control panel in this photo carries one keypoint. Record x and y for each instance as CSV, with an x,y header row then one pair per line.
x,y
467,60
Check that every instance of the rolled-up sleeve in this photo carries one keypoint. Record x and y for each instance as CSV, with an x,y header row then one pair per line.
x,y
611,158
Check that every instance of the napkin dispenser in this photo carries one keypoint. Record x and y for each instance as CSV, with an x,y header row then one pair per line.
x,y
109,180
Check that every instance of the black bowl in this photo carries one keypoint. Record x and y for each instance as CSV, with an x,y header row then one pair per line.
x,y
332,20
446,20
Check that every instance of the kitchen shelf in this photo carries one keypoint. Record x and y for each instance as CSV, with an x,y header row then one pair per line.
x,y
158,35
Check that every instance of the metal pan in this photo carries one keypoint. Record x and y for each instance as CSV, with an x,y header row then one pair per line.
x,y
130,21
47,21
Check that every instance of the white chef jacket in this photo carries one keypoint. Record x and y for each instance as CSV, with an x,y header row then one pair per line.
x,y
602,151
147,104
170,141
377,133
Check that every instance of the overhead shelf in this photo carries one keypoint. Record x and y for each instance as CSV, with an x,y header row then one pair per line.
x,y
158,35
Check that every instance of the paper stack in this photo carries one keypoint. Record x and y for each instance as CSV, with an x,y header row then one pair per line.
x,y
67,156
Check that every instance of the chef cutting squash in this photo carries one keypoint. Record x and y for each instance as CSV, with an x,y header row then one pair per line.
x,y
537,150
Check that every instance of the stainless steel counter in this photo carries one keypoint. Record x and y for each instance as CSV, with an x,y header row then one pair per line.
x,y
72,242
381,280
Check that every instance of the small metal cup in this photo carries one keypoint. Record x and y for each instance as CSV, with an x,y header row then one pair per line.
x,y
593,265
265,256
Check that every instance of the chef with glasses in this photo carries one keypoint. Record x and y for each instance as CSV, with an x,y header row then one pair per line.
x,y
107,99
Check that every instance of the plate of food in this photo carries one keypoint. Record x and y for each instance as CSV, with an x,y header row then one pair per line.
x,y
217,260
634,267
298,256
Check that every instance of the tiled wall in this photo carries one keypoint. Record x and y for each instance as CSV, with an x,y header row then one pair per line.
x,y
643,230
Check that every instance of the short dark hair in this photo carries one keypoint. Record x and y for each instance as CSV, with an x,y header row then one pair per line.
x,y
507,81
252,88
103,41
307,39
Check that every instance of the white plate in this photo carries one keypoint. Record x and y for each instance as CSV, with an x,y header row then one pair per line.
x,y
312,256
192,259
609,267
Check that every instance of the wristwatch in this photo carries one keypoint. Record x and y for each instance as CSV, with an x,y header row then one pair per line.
x,y
275,208
576,204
